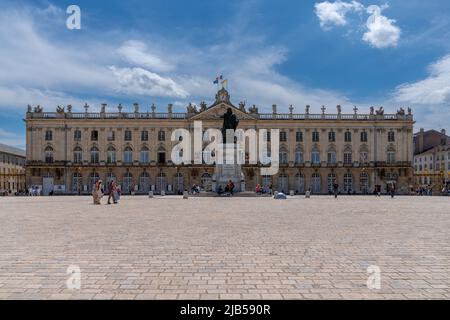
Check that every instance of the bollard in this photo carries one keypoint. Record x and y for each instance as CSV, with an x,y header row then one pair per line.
x,y
291,193
163,193
185,195
308,194
150,194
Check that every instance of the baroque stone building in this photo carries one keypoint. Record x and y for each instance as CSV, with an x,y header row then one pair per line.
x,y
432,159
68,151
12,169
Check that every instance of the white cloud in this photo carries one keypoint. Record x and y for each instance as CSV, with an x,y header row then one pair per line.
x,y
435,89
334,13
38,67
382,33
137,53
143,82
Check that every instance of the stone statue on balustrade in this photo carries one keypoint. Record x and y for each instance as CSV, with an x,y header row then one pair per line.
x,y
380,111
242,106
203,106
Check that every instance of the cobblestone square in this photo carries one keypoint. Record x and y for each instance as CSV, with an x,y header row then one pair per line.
x,y
225,248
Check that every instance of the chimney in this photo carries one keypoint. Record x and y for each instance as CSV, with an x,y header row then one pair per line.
x,y
443,132
420,142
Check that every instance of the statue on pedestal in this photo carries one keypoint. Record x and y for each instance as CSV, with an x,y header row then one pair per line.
x,y
230,121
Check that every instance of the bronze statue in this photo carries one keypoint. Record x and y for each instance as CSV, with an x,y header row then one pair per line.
x,y
230,121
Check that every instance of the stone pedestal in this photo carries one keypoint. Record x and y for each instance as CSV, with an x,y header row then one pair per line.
x,y
229,169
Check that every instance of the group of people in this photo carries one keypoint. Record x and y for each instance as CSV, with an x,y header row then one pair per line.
x,y
114,192
262,190
195,189
229,188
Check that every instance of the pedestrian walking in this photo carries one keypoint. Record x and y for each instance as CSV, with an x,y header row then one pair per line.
x,y
335,189
392,190
97,192
111,191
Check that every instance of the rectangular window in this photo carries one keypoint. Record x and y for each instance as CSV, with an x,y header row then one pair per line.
x,y
283,157
111,135
363,136
315,136
77,135
48,135
299,136
94,135
331,136
161,135
144,135
128,135
391,136
283,136
348,136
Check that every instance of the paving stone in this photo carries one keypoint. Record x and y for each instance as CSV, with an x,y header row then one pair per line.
x,y
234,248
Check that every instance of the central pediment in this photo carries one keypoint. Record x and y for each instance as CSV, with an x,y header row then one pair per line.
x,y
215,112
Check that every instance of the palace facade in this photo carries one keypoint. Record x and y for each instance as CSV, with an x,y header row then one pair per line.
x,y
68,152
12,169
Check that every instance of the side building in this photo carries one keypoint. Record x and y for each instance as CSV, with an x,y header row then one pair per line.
x,y
12,170
432,160
68,151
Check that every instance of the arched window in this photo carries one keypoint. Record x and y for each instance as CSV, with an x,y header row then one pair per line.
x,y
283,183
283,156
161,182
391,154
266,182
364,182
93,178
128,155
77,182
77,155
331,155
348,159
144,156
179,182
48,154
315,182
331,179
315,155
300,183
348,182
127,183
111,155
298,155
95,155
144,182
363,154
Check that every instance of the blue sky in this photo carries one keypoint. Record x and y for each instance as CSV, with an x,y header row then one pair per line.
x,y
392,54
